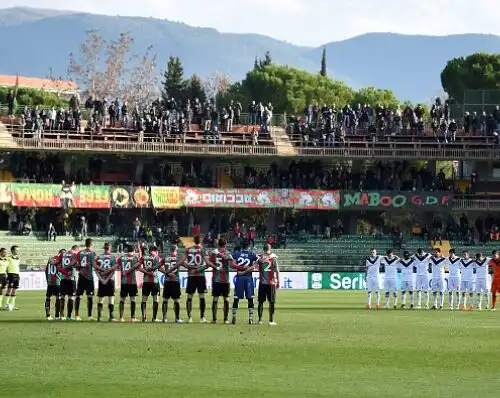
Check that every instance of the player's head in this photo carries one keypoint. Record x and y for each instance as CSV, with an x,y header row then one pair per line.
x,y
389,253
130,249
479,255
452,252
494,254
88,243
14,250
62,251
420,251
173,247
74,248
107,247
3,252
466,254
373,252
153,249
267,248
222,243
244,245
436,251
197,240
406,254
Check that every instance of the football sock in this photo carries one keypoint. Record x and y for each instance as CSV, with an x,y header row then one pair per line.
x,y
428,296
132,309
479,299
419,299
164,309
260,310
47,307
122,309
411,298
71,304
369,298
13,300
464,300
155,309
1,300
111,308
226,310
61,306
143,310
203,306
58,307
403,298
90,305
387,299
235,306
77,306
214,311
250,310
441,299
435,300
377,295
99,310
450,299
177,310
472,300
486,300
189,307
458,299
395,295
271,312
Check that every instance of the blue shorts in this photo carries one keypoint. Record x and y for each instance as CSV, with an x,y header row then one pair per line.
x,y
243,287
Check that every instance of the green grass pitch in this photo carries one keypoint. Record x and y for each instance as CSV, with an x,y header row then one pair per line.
x,y
325,345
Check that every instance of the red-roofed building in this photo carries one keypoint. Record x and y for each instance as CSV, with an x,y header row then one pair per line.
x,y
53,85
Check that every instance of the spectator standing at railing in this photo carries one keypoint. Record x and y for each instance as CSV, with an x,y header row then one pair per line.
x,y
260,113
117,109
112,115
124,115
252,111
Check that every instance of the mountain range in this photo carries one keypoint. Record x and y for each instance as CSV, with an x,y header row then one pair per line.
x,y
35,41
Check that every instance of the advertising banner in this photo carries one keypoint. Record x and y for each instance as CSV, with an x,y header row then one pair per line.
x,y
165,197
5,196
260,198
379,200
128,197
36,195
35,280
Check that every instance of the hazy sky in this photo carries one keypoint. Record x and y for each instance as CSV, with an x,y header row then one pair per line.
x,y
304,22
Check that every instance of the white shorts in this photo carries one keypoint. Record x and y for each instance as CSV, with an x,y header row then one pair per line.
x,y
422,282
390,285
466,286
372,284
482,286
407,286
438,285
454,284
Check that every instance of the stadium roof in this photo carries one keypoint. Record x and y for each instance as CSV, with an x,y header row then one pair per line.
x,y
53,85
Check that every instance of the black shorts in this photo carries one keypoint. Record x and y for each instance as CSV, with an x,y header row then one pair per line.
x,y
220,289
267,292
172,290
53,290
3,281
107,290
128,290
13,281
68,287
150,289
196,284
85,286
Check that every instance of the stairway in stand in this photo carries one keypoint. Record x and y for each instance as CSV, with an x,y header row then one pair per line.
x,y
6,140
282,141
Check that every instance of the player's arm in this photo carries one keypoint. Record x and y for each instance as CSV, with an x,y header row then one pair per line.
x,y
209,263
277,274
97,265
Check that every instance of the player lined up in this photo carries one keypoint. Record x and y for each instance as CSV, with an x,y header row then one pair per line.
x,y
466,276
9,278
61,280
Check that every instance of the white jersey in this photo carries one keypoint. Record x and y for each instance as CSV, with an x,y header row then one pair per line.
x,y
406,267
467,269
373,267
437,264
453,266
422,264
482,268
390,267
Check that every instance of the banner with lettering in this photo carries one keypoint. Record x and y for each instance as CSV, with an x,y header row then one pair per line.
x,y
127,197
36,195
259,198
165,197
379,200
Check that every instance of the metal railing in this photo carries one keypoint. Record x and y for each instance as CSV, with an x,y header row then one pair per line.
x,y
476,204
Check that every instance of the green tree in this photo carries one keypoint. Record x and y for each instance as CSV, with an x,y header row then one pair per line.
x,y
374,96
194,89
322,72
479,71
174,84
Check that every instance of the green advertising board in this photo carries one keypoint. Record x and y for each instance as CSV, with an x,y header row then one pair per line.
x,y
336,280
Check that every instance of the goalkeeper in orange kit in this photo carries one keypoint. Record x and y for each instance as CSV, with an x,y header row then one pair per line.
x,y
494,263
